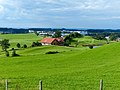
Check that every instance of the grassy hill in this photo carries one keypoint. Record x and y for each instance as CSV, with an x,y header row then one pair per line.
x,y
70,69
20,38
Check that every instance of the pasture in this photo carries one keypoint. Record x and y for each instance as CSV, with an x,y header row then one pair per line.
x,y
73,68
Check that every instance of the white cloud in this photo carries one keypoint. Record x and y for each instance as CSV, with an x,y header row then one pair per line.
x,y
93,4
50,1
42,11
1,9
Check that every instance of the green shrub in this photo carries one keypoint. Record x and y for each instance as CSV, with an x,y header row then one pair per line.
x,y
7,53
18,45
34,44
12,49
51,52
91,47
24,46
5,44
14,53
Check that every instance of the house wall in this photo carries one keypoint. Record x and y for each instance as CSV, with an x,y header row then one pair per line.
x,y
45,44
55,42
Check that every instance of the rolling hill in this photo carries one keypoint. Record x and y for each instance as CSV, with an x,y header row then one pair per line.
x,y
71,69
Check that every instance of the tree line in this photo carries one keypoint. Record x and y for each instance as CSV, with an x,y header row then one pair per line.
x,y
102,36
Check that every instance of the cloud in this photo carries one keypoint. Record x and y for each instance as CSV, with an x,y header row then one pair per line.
x,y
1,9
55,12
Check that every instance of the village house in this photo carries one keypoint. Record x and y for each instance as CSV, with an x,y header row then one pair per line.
x,y
52,41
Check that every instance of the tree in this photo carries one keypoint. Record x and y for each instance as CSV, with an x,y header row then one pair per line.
x,y
5,44
68,37
34,44
7,53
38,43
24,46
57,34
76,35
14,53
67,43
67,40
36,33
18,45
91,47
114,36
99,37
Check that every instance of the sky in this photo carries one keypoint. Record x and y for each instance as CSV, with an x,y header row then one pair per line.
x,y
60,13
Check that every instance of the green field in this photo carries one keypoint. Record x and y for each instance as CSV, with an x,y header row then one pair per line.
x,y
73,68
89,40
20,38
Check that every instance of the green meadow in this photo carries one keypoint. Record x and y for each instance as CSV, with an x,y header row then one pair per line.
x,y
73,68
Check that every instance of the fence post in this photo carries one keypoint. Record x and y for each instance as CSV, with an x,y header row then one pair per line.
x,y
6,84
101,84
40,85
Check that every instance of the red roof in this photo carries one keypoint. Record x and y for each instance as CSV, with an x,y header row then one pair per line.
x,y
50,40
60,39
47,40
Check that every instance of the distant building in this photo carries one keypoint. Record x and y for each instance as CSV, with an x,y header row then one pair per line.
x,y
65,32
31,31
107,37
52,41
118,39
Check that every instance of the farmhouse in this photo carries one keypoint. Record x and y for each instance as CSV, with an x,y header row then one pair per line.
x,y
52,41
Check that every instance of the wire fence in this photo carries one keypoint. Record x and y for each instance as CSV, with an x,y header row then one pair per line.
x,y
6,85
9,85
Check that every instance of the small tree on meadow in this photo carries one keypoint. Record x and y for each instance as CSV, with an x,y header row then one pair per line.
x,y
24,46
18,45
33,44
5,44
91,47
14,53
38,43
7,53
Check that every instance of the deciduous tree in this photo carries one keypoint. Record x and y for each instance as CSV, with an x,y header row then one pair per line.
x,y
5,44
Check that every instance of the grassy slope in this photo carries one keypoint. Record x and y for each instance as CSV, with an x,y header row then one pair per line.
x,y
35,64
20,38
71,69
89,40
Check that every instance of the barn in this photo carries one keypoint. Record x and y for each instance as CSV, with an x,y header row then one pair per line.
x,y
52,41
